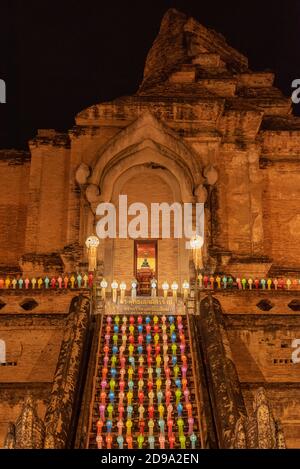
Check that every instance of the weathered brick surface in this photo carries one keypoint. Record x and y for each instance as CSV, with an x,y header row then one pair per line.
x,y
281,202
12,399
14,177
261,344
33,343
199,111
48,301
285,401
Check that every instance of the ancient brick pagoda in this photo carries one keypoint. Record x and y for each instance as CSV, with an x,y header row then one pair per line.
x,y
204,128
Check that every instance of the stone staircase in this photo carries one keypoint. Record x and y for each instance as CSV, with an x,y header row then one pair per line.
x,y
147,335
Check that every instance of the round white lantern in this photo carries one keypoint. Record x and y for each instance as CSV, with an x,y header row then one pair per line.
x,y
92,242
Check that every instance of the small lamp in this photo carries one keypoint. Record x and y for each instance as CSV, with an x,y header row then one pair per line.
x,y
133,288
114,287
196,244
185,287
165,287
123,290
153,287
174,288
103,285
92,243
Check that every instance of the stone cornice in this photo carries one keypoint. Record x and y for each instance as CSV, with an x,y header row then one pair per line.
x,y
15,157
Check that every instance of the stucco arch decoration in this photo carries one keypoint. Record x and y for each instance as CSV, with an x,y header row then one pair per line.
x,y
144,142
147,171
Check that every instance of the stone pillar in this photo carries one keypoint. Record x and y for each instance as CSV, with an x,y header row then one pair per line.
x,y
260,430
255,200
59,413
35,181
224,387
28,432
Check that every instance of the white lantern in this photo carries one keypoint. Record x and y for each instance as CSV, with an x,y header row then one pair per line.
x,y
103,285
196,244
185,287
123,290
92,243
133,288
153,287
165,287
114,287
174,288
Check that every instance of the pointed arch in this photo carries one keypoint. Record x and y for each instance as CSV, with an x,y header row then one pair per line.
x,y
145,141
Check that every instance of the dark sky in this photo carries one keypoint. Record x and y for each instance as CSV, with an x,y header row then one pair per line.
x,y
58,57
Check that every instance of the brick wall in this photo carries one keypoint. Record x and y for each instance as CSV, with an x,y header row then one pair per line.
x,y
12,399
48,199
285,402
13,210
262,353
148,188
281,206
33,341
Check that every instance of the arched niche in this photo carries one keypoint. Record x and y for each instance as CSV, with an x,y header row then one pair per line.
x,y
146,141
173,259
147,170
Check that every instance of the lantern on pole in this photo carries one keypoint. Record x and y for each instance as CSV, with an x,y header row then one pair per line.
x,y
174,288
165,287
123,290
114,287
133,288
196,244
153,287
92,243
185,287
103,285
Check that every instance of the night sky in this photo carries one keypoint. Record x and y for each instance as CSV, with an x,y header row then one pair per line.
x,y
59,57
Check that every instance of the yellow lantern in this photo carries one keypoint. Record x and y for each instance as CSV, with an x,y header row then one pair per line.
x,y
165,287
185,287
103,285
196,244
123,290
92,243
114,287
174,288
153,287
133,289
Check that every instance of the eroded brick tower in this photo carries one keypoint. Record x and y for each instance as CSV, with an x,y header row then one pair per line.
x,y
204,128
